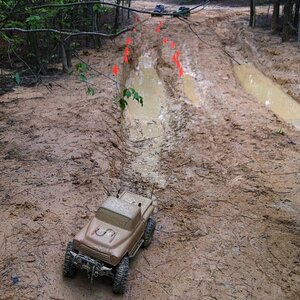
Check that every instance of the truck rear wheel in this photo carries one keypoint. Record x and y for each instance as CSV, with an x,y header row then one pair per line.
x,y
69,267
149,231
121,275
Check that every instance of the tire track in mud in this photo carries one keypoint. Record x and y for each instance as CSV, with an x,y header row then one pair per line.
x,y
151,128
147,125
146,128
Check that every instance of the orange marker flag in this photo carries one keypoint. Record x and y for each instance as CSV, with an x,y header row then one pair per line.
x,y
165,41
157,29
115,70
178,65
180,72
173,45
125,58
174,57
126,51
128,40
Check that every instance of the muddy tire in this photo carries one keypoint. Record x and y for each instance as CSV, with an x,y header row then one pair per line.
x,y
149,231
121,275
69,267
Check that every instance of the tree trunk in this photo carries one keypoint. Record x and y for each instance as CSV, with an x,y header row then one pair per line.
x,y
129,4
69,55
122,11
98,26
116,24
299,32
275,15
252,14
34,50
66,58
296,18
287,20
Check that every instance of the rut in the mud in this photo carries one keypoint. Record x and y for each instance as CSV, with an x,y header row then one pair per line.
x,y
269,93
147,125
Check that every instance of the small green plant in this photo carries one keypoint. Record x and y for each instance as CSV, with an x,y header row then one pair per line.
x,y
278,131
90,91
34,22
127,94
98,8
17,78
107,27
82,68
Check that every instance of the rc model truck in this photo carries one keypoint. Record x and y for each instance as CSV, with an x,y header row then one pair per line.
x,y
182,11
103,247
158,10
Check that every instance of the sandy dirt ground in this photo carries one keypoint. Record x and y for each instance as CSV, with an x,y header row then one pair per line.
x,y
228,205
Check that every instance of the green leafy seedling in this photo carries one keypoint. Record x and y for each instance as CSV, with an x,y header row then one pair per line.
x,y
17,78
82,77
123,103
278,132
90,91
83,68
130,93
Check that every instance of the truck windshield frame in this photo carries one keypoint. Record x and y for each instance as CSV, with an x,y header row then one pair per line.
x,y
114,218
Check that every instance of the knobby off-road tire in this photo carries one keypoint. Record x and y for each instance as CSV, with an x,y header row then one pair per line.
x,y
69,267
121,275
149,231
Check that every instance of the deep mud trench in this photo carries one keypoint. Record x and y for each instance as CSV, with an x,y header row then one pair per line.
x,y
224,177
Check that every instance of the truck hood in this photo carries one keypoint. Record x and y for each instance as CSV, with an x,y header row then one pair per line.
x,y
101,236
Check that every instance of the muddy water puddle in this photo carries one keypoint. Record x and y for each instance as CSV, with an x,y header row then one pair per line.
x,y
147,123
269,93
189,89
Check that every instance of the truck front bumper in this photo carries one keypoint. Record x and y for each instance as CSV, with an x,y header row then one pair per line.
x,y
92,266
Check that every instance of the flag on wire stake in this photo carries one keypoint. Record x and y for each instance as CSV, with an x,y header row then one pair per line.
x,y
180,72
128,40
115,70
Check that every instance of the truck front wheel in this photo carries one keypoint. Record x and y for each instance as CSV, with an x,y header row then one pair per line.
x,y
121,275
69,267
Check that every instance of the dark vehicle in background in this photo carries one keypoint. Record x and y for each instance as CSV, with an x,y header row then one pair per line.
x,y
159,8
182,11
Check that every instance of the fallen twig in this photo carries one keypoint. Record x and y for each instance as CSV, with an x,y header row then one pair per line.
x,y
146,259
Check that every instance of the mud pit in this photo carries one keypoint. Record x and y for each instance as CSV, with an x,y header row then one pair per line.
x,y
146,124
228,204
270,94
